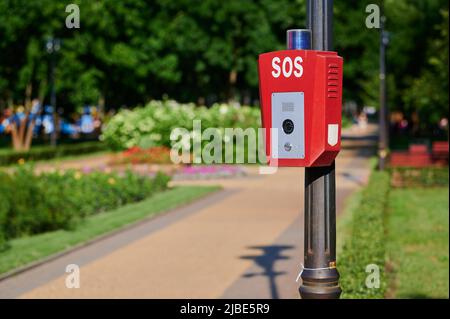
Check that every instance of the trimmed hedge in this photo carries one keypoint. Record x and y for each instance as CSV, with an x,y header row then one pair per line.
x,y
8,157
31,204
366,243
419,177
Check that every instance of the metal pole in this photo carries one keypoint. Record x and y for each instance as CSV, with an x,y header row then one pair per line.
x,y
383,143
53,45
53,98
320,278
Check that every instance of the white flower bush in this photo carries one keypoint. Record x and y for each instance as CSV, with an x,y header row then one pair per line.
x,y
151,125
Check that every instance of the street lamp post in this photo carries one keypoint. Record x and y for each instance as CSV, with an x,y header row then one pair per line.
x,y
53,45
383,137
320,278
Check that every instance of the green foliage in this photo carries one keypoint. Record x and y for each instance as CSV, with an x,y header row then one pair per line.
x,y
360,51
36,153
428,94
151,125
366,242
417,59
347,121
5,206
131,51
32,204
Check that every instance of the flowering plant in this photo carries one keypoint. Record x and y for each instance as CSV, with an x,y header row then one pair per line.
x,y
152,124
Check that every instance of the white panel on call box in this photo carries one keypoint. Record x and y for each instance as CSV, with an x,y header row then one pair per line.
x,y
288,108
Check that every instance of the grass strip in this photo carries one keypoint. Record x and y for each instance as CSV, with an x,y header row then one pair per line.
x,y
25,250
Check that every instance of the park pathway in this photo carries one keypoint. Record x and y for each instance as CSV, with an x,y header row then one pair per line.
x,y
244,242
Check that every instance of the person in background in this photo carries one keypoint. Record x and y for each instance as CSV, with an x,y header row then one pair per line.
x,y
362,120
47,120
86,121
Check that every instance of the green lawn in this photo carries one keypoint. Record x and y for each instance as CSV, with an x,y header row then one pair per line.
x,y
344,220
25,250
417,242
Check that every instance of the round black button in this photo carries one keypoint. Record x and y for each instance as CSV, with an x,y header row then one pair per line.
x,y
288,126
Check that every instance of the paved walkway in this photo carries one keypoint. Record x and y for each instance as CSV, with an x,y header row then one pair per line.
x,y
244,242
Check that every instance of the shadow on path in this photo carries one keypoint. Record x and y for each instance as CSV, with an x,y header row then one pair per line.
x,y
270,254
353,178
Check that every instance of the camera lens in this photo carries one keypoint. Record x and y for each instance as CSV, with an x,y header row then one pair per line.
x,y
288,126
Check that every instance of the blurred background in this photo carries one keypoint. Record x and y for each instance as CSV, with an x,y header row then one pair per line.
x,y
127,53
89,110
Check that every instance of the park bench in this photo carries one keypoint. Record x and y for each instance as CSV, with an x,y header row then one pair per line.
x,y
416,156
418,149
439,152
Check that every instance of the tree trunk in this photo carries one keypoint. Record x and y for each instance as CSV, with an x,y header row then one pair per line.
x,y
232,83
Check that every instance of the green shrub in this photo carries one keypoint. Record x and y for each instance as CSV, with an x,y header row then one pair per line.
x,y
32,204
5,181
419,177
8,157
346,121
160,182
366,243
151,125
27,213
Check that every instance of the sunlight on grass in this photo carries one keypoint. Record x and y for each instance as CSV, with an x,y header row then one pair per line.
x,y
343,224
418,250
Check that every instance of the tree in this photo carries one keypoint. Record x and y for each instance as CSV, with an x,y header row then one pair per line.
x,y
130,51
428,94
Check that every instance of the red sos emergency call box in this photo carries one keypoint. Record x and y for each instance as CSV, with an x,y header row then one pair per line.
x,y
301,103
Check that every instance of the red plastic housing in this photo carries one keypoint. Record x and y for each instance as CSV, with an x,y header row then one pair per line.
x,y
320,81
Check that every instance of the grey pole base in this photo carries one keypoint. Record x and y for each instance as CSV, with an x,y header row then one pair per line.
x,y
320,284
